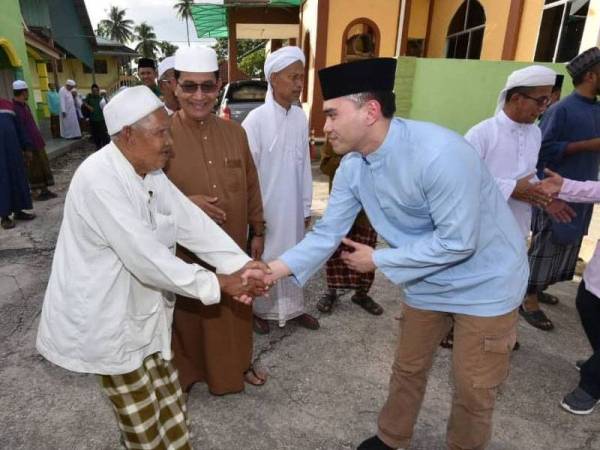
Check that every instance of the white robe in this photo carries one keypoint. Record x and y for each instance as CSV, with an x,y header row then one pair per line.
x,y
510,152
278,141
69,125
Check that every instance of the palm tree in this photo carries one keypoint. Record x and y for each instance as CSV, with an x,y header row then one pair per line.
x,y
117,27
167,49
184,12
148,45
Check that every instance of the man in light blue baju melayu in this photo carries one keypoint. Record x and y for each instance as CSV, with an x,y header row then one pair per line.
x,y
454,247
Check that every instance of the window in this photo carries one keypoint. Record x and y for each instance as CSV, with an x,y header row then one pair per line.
x,y
360,41
100,66
59,67
561,30
465,33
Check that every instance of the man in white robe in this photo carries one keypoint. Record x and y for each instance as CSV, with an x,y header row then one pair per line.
x,y
108,308
278,137
69,122
509,144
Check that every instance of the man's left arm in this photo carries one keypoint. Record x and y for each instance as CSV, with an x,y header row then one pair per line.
x,y
452,187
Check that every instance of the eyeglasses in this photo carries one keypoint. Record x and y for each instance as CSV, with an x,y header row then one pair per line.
x,y
541,101
206,87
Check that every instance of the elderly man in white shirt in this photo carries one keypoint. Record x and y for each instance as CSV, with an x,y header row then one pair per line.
x,y
509,144
108,308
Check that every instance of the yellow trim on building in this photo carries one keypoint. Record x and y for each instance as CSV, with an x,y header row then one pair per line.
x,y
11,52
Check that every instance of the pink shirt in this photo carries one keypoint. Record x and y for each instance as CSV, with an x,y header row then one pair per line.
x,y
585,192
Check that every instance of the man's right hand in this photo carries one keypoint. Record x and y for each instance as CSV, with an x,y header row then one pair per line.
x,y
530,193
207,204
246,283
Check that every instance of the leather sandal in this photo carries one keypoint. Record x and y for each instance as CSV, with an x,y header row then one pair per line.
x,y
367,303
537,319
325,303
254,376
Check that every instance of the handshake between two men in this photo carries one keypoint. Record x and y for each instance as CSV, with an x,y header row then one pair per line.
x,y
543,194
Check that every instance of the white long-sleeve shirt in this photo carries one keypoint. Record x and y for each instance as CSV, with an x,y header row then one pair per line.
x,y
510,152
106,306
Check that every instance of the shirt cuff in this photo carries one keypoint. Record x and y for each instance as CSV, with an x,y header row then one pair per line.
x,y
233,264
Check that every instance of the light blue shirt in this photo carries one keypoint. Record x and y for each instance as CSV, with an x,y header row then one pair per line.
x,y
454,245
54,103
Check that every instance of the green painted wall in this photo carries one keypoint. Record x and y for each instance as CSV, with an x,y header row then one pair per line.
x,y
12,30
455,93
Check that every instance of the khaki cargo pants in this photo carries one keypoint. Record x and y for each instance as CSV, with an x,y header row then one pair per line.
x,y
480,363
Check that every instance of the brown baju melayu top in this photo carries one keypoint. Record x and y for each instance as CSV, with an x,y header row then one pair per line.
x,y
214,343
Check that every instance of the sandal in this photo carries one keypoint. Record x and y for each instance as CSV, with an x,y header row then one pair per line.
x,y
325,303
548,299
255,377
448,341
537,319
367,303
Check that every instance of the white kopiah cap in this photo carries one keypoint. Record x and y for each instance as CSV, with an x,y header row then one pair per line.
x,y
71,83
166,64
196,59
129,106
19,85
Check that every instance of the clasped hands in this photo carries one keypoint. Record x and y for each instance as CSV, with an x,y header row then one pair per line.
x,y
252,280
543,195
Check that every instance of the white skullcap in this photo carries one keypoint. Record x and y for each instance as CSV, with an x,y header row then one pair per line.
x,y
198,59
71,83
103,91
129,106
280,59
531,76
19,85
166,64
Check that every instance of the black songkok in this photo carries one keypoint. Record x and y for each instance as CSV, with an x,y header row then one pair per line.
x,y
366,75
584,62
146,62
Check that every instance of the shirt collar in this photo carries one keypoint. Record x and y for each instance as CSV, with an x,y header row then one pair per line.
x,y
583,98
504,120
391,139
123,165
207,121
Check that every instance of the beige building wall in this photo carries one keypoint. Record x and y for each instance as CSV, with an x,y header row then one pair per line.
x,y
417,22
309,25
529,29
73,69
341,12
496,14
591,32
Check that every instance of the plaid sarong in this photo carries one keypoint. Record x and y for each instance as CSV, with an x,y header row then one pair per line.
x,y
549,262
149,406
339,276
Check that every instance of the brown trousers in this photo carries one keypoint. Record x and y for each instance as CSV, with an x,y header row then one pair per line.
x,y
480,363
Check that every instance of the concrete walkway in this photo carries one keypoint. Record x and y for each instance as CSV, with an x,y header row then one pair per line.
x,y
325,388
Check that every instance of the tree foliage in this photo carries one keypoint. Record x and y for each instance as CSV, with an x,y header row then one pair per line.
x,y
184,12
148,45
116,27
167,49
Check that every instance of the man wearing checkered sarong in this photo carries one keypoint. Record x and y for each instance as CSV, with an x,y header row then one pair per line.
x,y
107,310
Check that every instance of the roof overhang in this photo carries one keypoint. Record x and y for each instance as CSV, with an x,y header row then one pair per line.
x,y
211,18
43,49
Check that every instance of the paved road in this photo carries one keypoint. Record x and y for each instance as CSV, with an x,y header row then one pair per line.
x,y
326,387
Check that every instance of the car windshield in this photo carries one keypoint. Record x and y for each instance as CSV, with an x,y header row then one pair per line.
x,y
248,93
